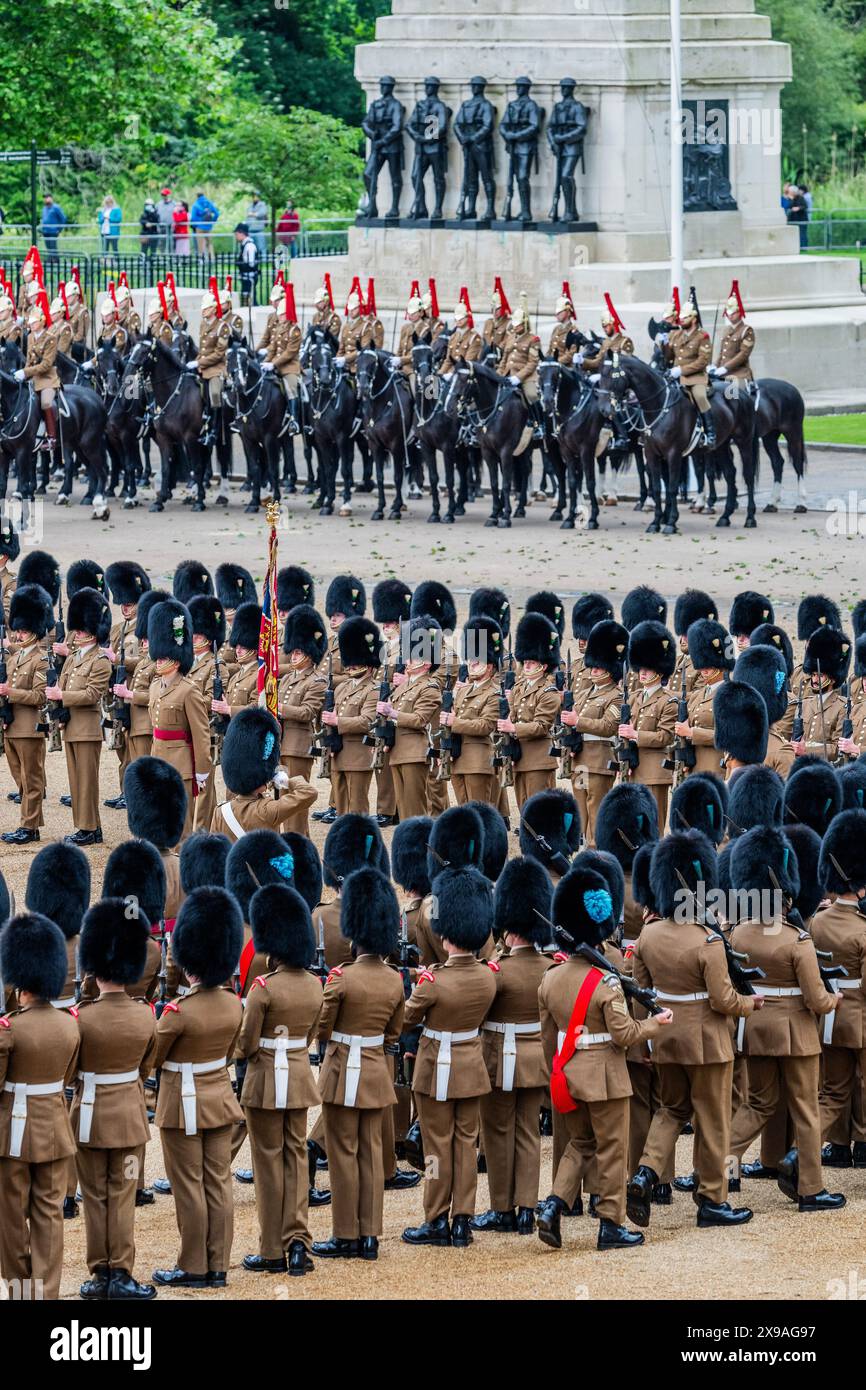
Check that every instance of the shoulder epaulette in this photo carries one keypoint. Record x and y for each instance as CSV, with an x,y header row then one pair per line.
x,y
171,1008
4,1022
259,980
559,957
73,1012
613,981
426,976
336,970
493,965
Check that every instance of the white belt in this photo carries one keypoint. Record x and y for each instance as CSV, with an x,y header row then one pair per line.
x,y
443,1060
354,1042
91,1080
188,1073
182,991
682,998
21,1090
595,738
232,821
509,1047
64,1003
584,1039
281,1046
830,1018
780,992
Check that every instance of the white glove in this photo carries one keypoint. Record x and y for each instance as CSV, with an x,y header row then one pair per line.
x,y
339,361
19,375
395,364
192,366
267,366
201,780
581,355
280,779
676,372
662,337
87,367
261,352
515,380
446,376
721,371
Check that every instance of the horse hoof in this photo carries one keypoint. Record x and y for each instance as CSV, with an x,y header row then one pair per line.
x,y
461,511
800,508
555,516
710,509
448,519
110,492
129,503
723,521
198,506
750,523
156,507
367,485
289,487
669,530
395,514
251,508
653,528
378,515
346,510
492,521
433,519
638,506
309,490
504,523
520,511
568,524
326,511
592,524
770,508
102,515
61,500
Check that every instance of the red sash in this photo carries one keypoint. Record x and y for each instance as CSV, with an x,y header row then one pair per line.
x,y
559,1092
176,736
246,961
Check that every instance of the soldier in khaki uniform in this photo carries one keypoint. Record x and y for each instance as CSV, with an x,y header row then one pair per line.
x,y
301,696
535,705
38,1059
436,600
496,327
10,549
712,656
79,314
615,340
362,1015
588,610
414,708
745,732
324,314
294,585
196,1109
853,747
354,713
281,1020
214,338
782,1043
283,352
39,365
208,635
414,329
251,764
276,296
738,341
452,1001
178,713
31,274
456,841
596,716
127,582
689,352
690,607
233,586
464,344
825,667
30,618
476,711
652,653
392,601
127,313
345,598
137,694
82,687
558,349
109,1115
361,329
10,325
521,354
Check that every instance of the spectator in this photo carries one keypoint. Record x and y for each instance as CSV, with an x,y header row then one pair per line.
x,y
165,218
53,221
247,262
798,214
786,199
202,216
257,221
181,228
807,197
149,223
288,228
110,218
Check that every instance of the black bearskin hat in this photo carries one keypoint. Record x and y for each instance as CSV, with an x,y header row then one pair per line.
x,y
169,634
33,955
392,600
643,605
88,611
588,610
831,650
748,611
191,578
495,839
347,595
234,585
462,908
523,898
251,750
246,627
409,854
456,840
208,619
627,818
369,912
294,586
30,610
85,574
843,853
58,886
764,669
816,611
582,909
858,618
680,862
852,780
38,567
537,640
699,803
813,796
607,648
260,857
148,601
481,640
807,847
307,867
652,646
741,725
710,646
432,597
155,801
690,607
421,640
305,631
203,860
10,541
114,942
860,656
208,936
353,842
135,870
491,603
282,926
755,797
611,871
550,605
360,643
640,878
769,635
554,815
126,581
763,859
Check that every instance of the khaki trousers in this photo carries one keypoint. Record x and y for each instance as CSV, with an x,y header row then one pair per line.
x,y
205,803
449,1130
838,1089
298,767
410,789
597,1131
437,795
512,1145
526,784
475,786
660,791
124,757
597,785
351,791
386,798
355,1169
801,1081
645,1101
278,1144
198,1167
82,766
139,746
108,1180
31,1224
702,1091
26,758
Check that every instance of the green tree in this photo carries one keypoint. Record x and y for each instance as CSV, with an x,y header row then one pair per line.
x,y
823,91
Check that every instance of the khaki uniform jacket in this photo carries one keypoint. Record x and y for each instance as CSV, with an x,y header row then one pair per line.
x,y
841,930
556,348
476,710
780,754
284,1003
363,998
691,351
464,344
675,684
131,649
227,658
284,349
598,710
264,342
263,811
84,680
201,675
618,342
521,354
355,706
329,320
535,706
429,944
684,958
410,334
39,364
38,1045
518,978
143,988
326,929
735,349
242,688
599,1070
299,703
495,330
118,1034
8,581
454,997
785,1027
145,674
703,726
653,714
815,729
201,1027
79,318
417,702
180,708
26,673
212,347
581,680
333,655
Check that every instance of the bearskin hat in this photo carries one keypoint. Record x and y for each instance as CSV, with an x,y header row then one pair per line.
x,y
859,656
582,908
155,801
360,643
495,839
699,803
38,567
554,815
858,617
601,862
352,842
852,781
652,646
432,597
30,610
816,611
843,853
710,646
5,903
763,859
114,942
88,611
550,605
246,627
409,854
769,635
251,750
690,607
755,797
643,605
208,619
282,926
208,936
627,818
741,725
456,840
85,574
537,640
347,595
126,581
369,912
191,578
33,955
481,640
807,847
764,669
523,898
294,586
813,796
169,634
135,870
491,603
392,600
58,886
234,585
462,908
607,648
421,640
305,631
748,610
830,649
307,867
588,610
640,878
10,541
203,860
680,862
260,857
148,601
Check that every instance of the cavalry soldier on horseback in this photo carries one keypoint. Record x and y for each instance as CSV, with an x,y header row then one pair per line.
x,y
738,342
60,325
615,339
214,337
324,314
353,329
464,344
158,325
521,353
79,314
414,330
558,348
11,330
284,351
112,332
40,367
496,327
31,279
689,350
430,301
126,311
274,299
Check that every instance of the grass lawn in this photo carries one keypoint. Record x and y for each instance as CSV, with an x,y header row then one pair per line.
x,y
835,429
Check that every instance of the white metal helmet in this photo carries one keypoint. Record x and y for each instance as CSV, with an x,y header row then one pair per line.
x,y
6,306
226,301
35,314
321,296
461,313
415,305
123,293
28,270
688,311
353,302
108,308
276,294
72,289
34,289
563,303
208,303
154,308
58,310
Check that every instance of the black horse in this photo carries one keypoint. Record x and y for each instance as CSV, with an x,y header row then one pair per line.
x,y
780,411
576,420
126,422
178,411
437,431
332,405
500,423
386,419
80,418
260,417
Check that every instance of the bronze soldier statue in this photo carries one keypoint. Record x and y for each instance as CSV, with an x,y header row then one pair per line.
x,y
428,127
519,129
474,130
383,127
565,136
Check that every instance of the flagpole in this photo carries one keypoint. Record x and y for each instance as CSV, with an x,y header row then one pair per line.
x,y
676,135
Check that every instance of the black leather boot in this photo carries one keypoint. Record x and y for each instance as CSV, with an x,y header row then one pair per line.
x,y
502,1221
662,1195
436,1232
613,1237
789,1175
336,1249
369,1248
837,1155
639,1195
709,429
95,1289
258,1264
123,1288
299,1261
548,1219
721,1214
525,1221
756,1169
821,1201
460,1232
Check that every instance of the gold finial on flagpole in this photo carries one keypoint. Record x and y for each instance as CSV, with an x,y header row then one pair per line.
x,y
272,512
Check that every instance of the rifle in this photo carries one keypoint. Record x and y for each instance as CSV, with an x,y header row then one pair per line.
x,y
383,733
627,754
821,708
506,748
797,727
571,740
630,988
555,858
118,714
7,710
684,755
331,741
55,714
847,726
558,728
740,973
444,745
219,723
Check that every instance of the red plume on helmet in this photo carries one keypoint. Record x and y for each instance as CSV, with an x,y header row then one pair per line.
x,y
371,297
463,298
618,325
77,278
675,296
215,291
160,289
434,299
414,293
42,303
281,277
327,282
36,261
735,294
169,280
122,280
112,292
62,288
354,288
291,311
504,306
228,284
566,292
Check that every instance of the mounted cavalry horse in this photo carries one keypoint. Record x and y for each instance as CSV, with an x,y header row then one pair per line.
x,y
261,419
438,431
331,409
178,413
575,420
81,419
126,421
503,432
386,418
